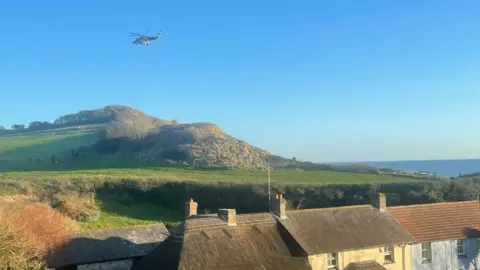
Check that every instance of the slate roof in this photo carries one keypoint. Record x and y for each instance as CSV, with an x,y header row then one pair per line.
x,y
344,228
256,242
108,245
439,221
367,265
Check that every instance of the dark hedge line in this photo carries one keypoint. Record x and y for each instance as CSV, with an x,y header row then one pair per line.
x,y
245,197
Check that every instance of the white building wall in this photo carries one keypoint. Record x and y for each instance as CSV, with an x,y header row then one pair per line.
x,y
444,256
472,259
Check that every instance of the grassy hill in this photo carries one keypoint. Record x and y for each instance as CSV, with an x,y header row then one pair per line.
x,y
17,148
123,137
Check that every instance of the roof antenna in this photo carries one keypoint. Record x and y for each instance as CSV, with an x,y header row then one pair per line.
x,y
269,193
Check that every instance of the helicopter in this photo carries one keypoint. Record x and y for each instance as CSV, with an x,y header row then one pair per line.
x,y
142,39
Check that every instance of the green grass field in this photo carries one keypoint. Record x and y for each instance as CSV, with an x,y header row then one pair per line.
x,y
184,174
16,149
114,214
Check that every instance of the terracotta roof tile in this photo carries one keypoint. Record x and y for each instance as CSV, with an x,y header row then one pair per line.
x,y
439,221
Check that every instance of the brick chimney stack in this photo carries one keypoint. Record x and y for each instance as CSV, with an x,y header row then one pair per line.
x,y
190,208
279,206
228,215
379,201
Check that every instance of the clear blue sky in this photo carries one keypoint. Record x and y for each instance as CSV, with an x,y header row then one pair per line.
x,y
320,80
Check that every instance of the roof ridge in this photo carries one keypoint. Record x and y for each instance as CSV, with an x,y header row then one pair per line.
x,y
329,208
122,227
226,226
249,214
430,204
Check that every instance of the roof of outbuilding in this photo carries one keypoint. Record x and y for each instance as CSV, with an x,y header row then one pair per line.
x,y
344,228
108,245
439,221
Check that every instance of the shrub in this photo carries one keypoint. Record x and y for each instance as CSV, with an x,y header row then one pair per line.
x,y
29,231
78,208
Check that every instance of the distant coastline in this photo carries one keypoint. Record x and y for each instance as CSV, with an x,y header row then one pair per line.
x,y
445,168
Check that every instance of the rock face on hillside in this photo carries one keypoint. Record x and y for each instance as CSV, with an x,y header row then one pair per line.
x,y
129,132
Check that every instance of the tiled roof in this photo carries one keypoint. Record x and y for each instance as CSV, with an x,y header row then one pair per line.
x,y
367,265
439,221
344,228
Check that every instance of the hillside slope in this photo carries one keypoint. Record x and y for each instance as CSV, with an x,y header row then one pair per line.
x,y
120,136
127,133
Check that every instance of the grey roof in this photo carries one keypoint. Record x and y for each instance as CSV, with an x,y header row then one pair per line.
x,y
256,242
366,265
108,245
344,228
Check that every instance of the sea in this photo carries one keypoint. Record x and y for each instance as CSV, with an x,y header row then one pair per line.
x,y
445,168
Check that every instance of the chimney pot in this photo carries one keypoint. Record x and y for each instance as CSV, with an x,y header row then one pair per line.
x,y
279,206
228,215
379,201
190,208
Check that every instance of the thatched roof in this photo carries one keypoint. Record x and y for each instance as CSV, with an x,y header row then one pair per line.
x,y
166,256
256,242
108,245
344,228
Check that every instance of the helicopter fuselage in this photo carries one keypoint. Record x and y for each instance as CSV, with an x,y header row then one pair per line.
x,y
144,40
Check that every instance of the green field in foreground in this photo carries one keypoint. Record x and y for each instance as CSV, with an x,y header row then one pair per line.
x,y
16,149
279,176
114,214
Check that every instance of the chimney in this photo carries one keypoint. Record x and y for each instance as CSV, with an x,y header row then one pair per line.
x,y
190,208
379,201
228,215
279,206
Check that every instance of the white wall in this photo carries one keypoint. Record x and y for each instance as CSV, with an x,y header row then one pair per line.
x,y
444,256
472,259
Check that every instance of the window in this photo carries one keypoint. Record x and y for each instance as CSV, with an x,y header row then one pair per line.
x,y
332,260
461,247
427,252
388,254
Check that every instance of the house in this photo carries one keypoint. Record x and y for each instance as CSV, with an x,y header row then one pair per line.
x,y
351,237
116,248
354,237
226,240
446,234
